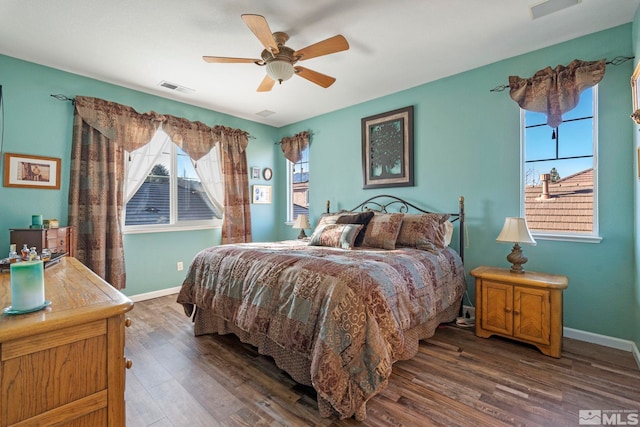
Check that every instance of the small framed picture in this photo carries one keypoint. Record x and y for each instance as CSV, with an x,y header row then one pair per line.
x,y
255,173
27,171
261,194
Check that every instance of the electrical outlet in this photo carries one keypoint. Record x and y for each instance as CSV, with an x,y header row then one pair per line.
x,y
180,266
469,312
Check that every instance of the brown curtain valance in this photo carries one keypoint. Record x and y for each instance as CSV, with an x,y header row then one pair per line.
x,y
234,141
195,138
293,146
119,122
556,91
126,126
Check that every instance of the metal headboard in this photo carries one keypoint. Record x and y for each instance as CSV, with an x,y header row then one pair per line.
x,y
387,203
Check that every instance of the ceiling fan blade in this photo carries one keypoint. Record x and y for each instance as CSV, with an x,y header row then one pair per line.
x,y
315,77
266,85
226,60
258,25
331,45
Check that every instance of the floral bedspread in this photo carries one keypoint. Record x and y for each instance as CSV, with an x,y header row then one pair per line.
x,y
346,310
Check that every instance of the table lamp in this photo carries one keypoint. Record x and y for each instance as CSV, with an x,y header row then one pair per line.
x,y
515,231
301,222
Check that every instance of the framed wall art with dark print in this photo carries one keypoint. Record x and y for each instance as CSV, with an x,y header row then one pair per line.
x,y
387,149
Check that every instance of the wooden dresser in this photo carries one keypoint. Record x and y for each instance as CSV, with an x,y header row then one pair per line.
x,y
526,307
56,239
65,365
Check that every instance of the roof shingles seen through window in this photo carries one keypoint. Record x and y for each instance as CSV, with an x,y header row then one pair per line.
x,y
569,207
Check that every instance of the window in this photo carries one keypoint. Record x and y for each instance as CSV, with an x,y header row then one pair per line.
x,y
166,189
298,179
559,169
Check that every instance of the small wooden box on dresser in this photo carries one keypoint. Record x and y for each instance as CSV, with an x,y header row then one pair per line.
x,y
65,365
55,239
523,306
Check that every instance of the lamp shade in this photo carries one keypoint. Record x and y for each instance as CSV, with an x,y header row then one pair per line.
x,y
515,230
279,70
301,222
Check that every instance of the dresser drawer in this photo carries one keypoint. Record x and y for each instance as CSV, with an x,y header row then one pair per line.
x,y
71,361
57,239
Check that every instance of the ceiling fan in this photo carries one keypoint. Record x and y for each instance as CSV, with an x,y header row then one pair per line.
x,y
279,59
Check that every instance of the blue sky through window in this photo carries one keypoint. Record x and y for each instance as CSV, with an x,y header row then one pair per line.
x,y
185,165
567,153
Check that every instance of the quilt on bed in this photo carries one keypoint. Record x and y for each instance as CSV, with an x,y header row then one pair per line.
x,y
346,311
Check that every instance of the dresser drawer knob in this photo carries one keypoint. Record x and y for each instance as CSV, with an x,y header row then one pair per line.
x,y
128,363
127,322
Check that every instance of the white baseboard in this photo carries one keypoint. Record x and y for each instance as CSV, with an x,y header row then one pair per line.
x,y
155,294
604,340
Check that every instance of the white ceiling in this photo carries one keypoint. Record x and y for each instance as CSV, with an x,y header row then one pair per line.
x,y
395,45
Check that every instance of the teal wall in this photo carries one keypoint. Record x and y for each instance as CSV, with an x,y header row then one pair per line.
x,y
466,143
36,123
635,38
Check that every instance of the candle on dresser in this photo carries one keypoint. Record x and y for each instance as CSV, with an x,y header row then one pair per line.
x,y
27,285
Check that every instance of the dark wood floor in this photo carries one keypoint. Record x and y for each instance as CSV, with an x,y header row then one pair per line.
x,y
456,379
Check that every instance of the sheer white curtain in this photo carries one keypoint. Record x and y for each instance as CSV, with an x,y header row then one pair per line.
x,y
209,170
141,161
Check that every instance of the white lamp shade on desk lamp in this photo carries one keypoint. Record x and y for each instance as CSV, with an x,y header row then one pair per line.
x,y
516,231
301,222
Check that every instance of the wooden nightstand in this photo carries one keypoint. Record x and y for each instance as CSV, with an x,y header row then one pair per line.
x,y
526,307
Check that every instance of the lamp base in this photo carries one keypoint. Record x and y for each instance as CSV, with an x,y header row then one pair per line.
x,y
516,258
302,234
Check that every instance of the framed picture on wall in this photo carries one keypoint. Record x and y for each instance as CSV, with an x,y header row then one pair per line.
x,y
27,171
261,194
255,173
387,149
635,94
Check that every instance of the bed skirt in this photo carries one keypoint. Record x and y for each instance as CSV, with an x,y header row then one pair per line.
x,y
297,365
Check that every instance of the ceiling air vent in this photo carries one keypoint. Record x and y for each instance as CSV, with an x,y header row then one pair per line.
x,y
265,113
551,6
173,86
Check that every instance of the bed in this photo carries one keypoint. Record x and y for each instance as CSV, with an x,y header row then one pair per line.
x,y
337,310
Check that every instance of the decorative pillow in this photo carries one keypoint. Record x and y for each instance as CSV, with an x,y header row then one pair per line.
x,y
326,219
336,235
423,231
359,218
382,231
449,233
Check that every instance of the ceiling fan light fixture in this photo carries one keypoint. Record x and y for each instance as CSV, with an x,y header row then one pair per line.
x,y
280,70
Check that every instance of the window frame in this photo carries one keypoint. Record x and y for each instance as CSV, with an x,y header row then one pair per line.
x,y
174,224
290,171
585,237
